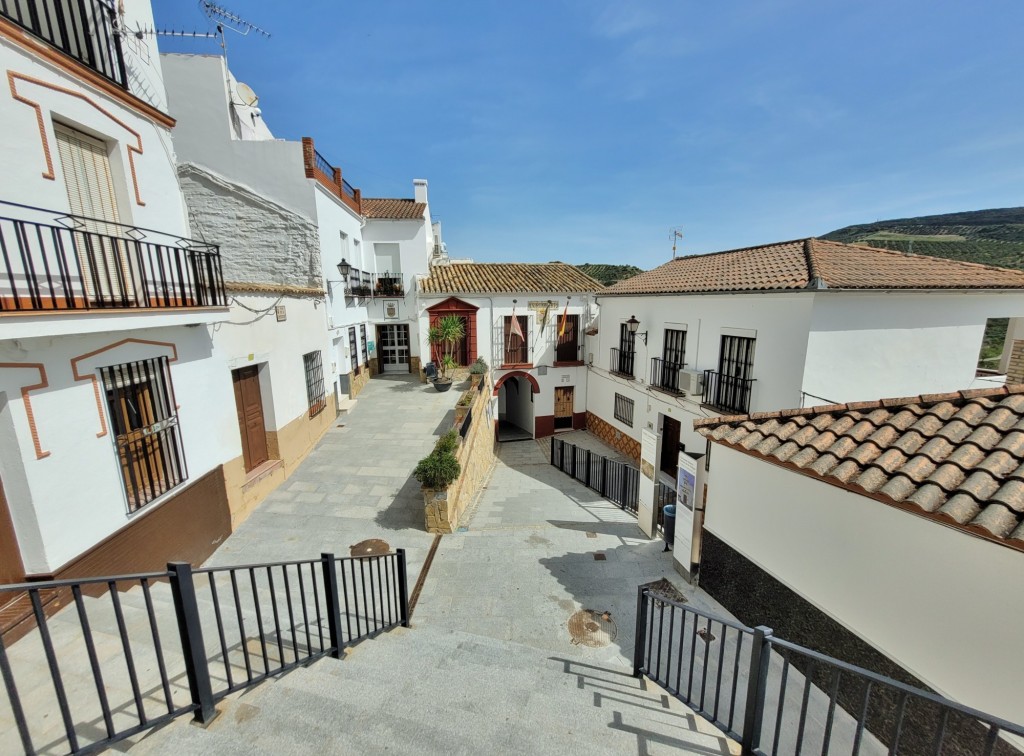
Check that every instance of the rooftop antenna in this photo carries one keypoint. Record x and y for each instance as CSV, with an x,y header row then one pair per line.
x,y
675,234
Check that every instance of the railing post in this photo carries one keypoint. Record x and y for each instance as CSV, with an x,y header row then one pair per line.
x,y
757,676
604,476
552,450
330,572
639,650
193,648
403,587
588,468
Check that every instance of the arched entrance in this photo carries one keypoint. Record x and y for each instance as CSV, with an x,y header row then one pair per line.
x,y
515,393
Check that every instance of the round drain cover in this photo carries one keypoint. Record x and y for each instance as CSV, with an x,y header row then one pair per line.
x,y
370,547
592,628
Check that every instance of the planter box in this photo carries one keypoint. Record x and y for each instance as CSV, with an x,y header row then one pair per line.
x,y
435,507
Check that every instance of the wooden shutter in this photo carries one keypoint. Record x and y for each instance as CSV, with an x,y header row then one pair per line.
x,y
90,188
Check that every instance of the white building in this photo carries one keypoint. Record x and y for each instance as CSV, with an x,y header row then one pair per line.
x,y
540,376
112,436
887,533
286,226
784,325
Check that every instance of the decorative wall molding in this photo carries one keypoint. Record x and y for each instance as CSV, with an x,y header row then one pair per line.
x,y
91,376
13,77
43,383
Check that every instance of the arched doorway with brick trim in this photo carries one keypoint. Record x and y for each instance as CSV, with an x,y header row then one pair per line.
x,y
465,349
515,392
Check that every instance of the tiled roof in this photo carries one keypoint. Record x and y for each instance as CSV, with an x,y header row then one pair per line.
x,y
393,209
814,264
506,278
957,458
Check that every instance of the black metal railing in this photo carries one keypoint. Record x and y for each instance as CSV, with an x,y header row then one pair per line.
x,y
323,165
775,697
86,30
622,362
389,286
616,481
665,375
183,639
55,261
727,392
348,189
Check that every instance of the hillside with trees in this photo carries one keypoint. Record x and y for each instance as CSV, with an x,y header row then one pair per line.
x,y
609,274
989,237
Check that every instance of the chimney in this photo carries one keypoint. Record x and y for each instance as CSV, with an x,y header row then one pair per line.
x,y
419,187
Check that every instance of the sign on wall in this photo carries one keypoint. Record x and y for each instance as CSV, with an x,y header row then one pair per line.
x,y
390,309
648,452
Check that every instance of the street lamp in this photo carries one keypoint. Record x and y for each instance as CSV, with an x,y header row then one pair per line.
x,y
344,268
632,324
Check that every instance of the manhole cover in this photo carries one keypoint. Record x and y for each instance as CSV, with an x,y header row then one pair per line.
x,y
591,628
370,547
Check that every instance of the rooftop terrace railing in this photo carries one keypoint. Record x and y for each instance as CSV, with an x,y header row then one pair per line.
x,y
329,176
85,30
776,697
140,650
51,260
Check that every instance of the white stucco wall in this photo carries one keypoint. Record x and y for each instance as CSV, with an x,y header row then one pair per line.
x,y
868,346
67,502
942,603
779,322
23,161
247,338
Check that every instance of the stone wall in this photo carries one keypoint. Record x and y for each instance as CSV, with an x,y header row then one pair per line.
x,y
352,384
260,241
1015,370
613,437
476,454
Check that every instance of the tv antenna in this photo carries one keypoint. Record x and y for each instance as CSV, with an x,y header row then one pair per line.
x,y
675,234
225,19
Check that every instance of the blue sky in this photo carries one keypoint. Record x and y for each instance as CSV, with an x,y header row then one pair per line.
x,y
584,130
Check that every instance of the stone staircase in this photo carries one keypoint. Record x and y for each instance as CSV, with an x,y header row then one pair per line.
x,y
430,690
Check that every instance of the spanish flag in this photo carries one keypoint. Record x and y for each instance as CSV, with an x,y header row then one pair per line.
x,y
565,319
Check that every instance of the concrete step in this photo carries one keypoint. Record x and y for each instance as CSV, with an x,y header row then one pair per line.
x,y
440,691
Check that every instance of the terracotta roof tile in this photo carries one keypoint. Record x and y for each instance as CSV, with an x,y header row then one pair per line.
x,y
956,457
507,278
814,264
393,209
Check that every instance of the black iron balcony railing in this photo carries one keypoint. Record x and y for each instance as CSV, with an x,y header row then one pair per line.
x,y
347,189
665,375
55,261
727,392
86,30
622,362
323,164
389,286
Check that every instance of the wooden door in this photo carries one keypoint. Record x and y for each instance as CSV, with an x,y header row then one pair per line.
x,y
249,405
11,568
669,446
563,406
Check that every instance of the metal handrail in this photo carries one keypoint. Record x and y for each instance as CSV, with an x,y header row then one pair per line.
x,y
323,165
305,609
727,392
667,651
665,375
623,362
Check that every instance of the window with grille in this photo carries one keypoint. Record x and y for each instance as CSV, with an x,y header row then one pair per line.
x,y
144,424
674,351
353,346
624,410
365,346
314,382
517,351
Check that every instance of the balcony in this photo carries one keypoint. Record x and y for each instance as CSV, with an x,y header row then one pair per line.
x,y
727,393
622,362
665,376
389,286
85,30
54,261
319,168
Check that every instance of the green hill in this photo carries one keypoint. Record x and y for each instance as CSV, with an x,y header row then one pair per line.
x,y
609,274
990,237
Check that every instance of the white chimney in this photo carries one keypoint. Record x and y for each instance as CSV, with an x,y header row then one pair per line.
x,y
419,187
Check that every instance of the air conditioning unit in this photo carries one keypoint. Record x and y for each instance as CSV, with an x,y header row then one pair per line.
x,y
691,382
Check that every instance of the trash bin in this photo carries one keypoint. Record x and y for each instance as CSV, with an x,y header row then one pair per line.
x,y
669,525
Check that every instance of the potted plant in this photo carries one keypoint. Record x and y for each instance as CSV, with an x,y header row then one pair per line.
x,y
477,371
436,472
462,408
448,331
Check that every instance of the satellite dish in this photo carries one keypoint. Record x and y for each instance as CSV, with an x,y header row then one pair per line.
x,y
246,95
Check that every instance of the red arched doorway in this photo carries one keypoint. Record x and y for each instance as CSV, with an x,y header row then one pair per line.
x,y
465,350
